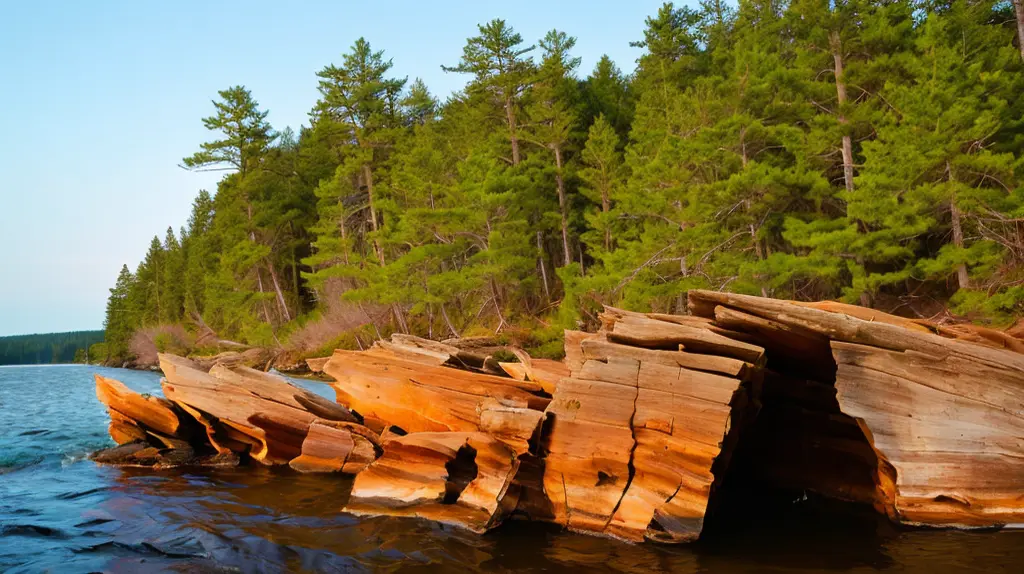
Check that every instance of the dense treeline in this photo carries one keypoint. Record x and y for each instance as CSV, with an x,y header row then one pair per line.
x,y
806,149
50,348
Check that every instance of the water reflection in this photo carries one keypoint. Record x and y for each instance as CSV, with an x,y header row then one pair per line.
x,y
259,519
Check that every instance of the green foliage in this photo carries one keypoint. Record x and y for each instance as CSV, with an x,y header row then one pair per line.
x,y
806,149
49,348
98,354
246,134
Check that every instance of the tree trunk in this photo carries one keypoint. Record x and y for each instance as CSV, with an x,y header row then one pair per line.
x,y
543,270
606,206
295,282
836,46
743,147
277,290
497,305
511,118
448,322
263,304
399,318
344,233
757,244
958,233
562,203
368,176
837,55
1018,8
259,276
758,250
958,240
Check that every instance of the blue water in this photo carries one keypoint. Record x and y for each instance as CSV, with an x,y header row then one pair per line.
x,y
60,512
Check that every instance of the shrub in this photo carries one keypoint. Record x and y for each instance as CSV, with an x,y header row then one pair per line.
x,y
148,341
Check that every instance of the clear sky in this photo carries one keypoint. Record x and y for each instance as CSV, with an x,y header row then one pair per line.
x,y
99,101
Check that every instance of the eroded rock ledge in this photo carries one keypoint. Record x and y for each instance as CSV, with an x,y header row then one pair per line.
x,y
650,426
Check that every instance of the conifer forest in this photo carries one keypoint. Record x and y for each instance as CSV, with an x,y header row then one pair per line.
x,y
871,152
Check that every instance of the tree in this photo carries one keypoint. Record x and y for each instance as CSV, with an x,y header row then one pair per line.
x,y
120,323
496,60
419,106
1018,10
607,92
602,175
805,149
172,297
198,255
149,279
246,140
553,116
246,134
360,101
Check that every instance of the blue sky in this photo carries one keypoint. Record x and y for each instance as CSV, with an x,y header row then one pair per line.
x,y
99,101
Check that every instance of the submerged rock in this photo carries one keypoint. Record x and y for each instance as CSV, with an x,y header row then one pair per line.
x,y
142,453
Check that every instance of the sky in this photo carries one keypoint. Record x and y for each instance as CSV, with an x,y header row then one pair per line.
x,y
99,101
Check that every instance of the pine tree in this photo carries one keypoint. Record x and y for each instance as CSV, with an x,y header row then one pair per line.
x,y
172,297
651,266
500,70
607,92
149,280
952,182
120,322
803,149
602,176
198,255
553,117
247,138
418,105
362,103
246,134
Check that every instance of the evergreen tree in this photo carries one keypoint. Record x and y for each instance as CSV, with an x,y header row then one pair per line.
x,y
245,131
120,321
553,117
246,140
501,72
606,92
362,103
805,149
602,175
172,296
198,255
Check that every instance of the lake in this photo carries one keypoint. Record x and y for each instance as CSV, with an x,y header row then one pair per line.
x,y
60,512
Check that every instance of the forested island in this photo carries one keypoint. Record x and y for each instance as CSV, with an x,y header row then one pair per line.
x,y
53,348
863,151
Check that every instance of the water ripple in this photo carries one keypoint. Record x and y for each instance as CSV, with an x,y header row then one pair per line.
x,y
59,512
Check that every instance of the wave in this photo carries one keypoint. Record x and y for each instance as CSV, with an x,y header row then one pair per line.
x,y
80,493
10,463
33,530
143,548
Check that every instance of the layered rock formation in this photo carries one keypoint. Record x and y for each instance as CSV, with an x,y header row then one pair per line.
x,y
216,417
650,426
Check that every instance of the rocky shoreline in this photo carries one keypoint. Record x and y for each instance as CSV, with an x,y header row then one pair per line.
x,y
649,427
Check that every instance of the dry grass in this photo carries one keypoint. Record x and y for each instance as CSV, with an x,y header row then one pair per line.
x,y
149,341
337,318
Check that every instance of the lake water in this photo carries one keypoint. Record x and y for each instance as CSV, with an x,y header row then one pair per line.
x,y
60,512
